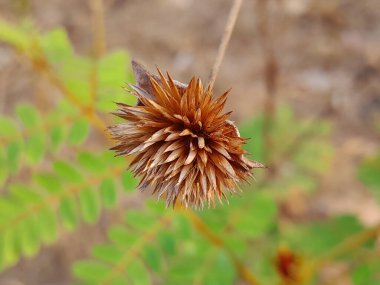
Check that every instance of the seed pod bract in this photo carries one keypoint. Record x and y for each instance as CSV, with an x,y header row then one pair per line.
x,y
184,147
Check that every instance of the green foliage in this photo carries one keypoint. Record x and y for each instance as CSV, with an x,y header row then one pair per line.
x,y
299,149
154,244
30,214
307,238
79,132
60,191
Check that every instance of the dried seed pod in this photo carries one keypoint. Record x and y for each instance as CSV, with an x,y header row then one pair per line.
x,y
184,147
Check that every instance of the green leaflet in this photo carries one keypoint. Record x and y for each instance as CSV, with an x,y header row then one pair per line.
x,y
138,273
128,181
139,221
67,172
35,148
122,236
90,270
49,181
89,204
107,252
4,171
14,157
56,137
259,219
221,272
153,257
8,252
167,242
47,225
113,71
79,132
23,194
8,128
27,233
57,46
91,162
28,115
182,226
69,213
108,193
76,73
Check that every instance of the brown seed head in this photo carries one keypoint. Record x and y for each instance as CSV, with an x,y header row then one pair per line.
x,y
184,147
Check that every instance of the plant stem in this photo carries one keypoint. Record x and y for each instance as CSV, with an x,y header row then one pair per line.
x,y
98,45
41,64
225,39
99,31
270,74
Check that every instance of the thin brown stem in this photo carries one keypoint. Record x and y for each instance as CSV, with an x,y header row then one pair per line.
x,y
234,12
42,65
98,45
89,113
270,73
99,31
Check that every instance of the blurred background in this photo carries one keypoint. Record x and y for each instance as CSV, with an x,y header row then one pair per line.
x,y
305,79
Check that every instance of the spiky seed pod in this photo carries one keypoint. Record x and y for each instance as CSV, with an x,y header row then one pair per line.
x,y
184,147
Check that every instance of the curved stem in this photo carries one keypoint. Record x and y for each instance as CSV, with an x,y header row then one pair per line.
x,y
225,39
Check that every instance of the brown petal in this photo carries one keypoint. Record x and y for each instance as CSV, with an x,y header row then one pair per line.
x,y
201,142
190,157
174,155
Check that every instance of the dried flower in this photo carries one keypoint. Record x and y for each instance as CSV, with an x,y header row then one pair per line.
x,y
185,148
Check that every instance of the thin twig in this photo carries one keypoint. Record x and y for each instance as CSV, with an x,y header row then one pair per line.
x,y
99,31
98,45
225,39
89,113
270,74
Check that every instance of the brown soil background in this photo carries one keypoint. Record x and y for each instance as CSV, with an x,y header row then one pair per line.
x,y
328,52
